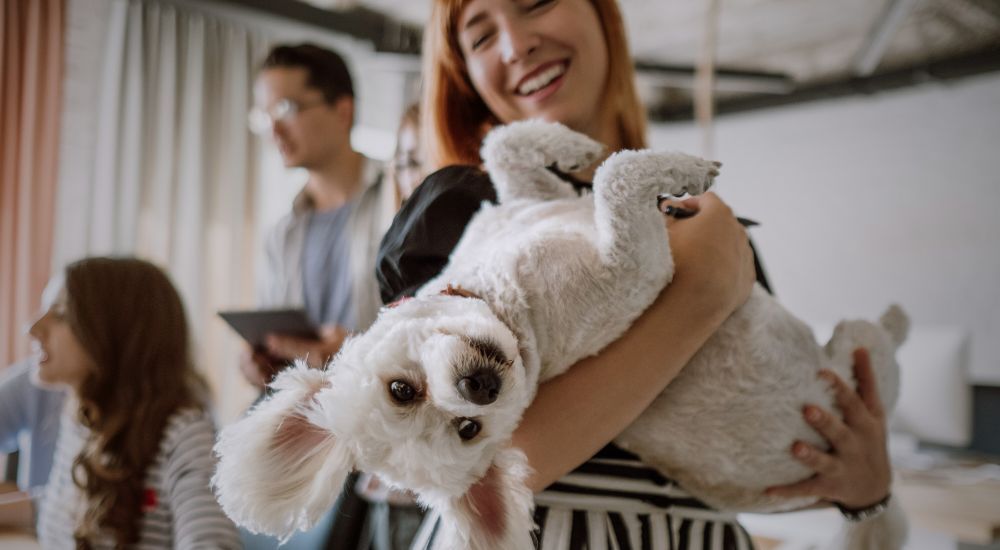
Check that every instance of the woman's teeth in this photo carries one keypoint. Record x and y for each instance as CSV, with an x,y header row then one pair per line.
x,y
543,79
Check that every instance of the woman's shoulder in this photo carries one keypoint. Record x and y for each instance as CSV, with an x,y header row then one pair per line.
x,y
189,426
462,184
427,227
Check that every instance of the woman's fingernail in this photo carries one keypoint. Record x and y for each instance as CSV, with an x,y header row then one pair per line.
x,y
801,451
812,413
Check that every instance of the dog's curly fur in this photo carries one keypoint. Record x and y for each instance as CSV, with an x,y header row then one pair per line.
x,y
556,278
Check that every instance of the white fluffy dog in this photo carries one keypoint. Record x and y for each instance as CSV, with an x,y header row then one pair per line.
x,y
428,397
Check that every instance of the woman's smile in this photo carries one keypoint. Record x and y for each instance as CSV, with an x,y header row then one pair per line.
x,y
543,81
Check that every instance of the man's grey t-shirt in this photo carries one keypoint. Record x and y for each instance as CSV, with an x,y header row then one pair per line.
x,y
326,273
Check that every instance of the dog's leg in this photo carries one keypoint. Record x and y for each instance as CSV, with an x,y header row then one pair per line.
x,y
518,157
278,471
629,225
881,339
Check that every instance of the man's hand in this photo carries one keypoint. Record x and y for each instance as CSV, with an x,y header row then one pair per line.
x,y
315,352
259,367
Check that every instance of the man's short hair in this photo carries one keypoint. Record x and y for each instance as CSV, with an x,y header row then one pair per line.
x,y
325,69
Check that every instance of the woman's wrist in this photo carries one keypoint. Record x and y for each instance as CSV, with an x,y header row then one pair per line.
x,y
863,513
706,299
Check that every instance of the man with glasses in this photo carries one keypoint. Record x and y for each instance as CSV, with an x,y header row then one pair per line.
x,y
321,255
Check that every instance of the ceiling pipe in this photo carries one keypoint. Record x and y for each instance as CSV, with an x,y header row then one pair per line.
x,y
878,39
984,61
704,80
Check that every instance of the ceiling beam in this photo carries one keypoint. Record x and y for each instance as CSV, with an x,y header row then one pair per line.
x,y
726,80
985,8
385,33
983,61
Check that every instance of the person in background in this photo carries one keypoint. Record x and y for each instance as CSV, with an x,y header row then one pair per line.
x,y
29,419
489,62
133,458
321,255
407,160
29,412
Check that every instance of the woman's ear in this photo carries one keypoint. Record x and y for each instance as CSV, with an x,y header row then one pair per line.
x,y
279,472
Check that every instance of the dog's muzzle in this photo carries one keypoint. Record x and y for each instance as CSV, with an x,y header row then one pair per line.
x,y
482,387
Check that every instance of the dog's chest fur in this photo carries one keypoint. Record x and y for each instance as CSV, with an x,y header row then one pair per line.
x,y
526,257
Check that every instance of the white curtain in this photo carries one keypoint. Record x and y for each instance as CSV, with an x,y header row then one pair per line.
x,y
157,160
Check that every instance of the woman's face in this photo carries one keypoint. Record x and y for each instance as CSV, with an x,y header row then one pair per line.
x,y
537,59
60,355
407,160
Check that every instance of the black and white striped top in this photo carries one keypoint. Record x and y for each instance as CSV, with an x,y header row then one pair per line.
x,y
180,509
615,502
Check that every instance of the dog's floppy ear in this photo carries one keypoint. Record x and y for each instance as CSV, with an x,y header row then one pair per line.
x,y
496,512
278,471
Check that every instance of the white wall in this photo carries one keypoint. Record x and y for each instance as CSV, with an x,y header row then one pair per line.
x,y
870,200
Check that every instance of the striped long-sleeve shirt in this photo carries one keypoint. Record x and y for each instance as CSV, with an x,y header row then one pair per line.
x,y
615,502
180,510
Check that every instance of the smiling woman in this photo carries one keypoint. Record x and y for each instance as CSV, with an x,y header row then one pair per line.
x,y
62,359
133,458
489,62
499,60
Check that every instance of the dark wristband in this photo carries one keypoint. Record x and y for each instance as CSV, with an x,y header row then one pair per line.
x,y
866,513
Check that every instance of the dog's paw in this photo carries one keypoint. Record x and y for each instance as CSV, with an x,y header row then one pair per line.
x,y
666,173
691,174
537,143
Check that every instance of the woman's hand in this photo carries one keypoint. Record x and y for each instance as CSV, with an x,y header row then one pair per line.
x,y
856,472
712,250
315,352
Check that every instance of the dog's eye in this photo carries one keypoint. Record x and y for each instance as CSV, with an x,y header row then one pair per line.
x,y
468,428
401,391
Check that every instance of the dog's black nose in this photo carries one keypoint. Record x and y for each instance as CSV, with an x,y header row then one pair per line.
x,y
481,387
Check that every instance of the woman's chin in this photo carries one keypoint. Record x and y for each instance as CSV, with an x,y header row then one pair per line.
x,y
44,379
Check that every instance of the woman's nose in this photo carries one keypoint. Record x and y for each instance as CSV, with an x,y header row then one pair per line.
x,y
278,129
35,328
517,42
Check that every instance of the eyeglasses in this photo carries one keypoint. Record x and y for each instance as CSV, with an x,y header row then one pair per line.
x,y
406,163
261,120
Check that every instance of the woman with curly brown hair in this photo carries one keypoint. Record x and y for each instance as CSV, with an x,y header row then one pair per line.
x,y
134,455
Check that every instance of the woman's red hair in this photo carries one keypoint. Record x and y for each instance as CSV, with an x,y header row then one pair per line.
x,y
455,118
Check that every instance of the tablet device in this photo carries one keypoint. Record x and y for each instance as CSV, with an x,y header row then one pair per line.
x,y
254,325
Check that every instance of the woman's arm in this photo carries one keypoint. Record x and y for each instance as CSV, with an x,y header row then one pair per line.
x,y
574,415
198,520
15,394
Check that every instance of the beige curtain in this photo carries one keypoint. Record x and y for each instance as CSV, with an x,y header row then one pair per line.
x,y
158,161
31,62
